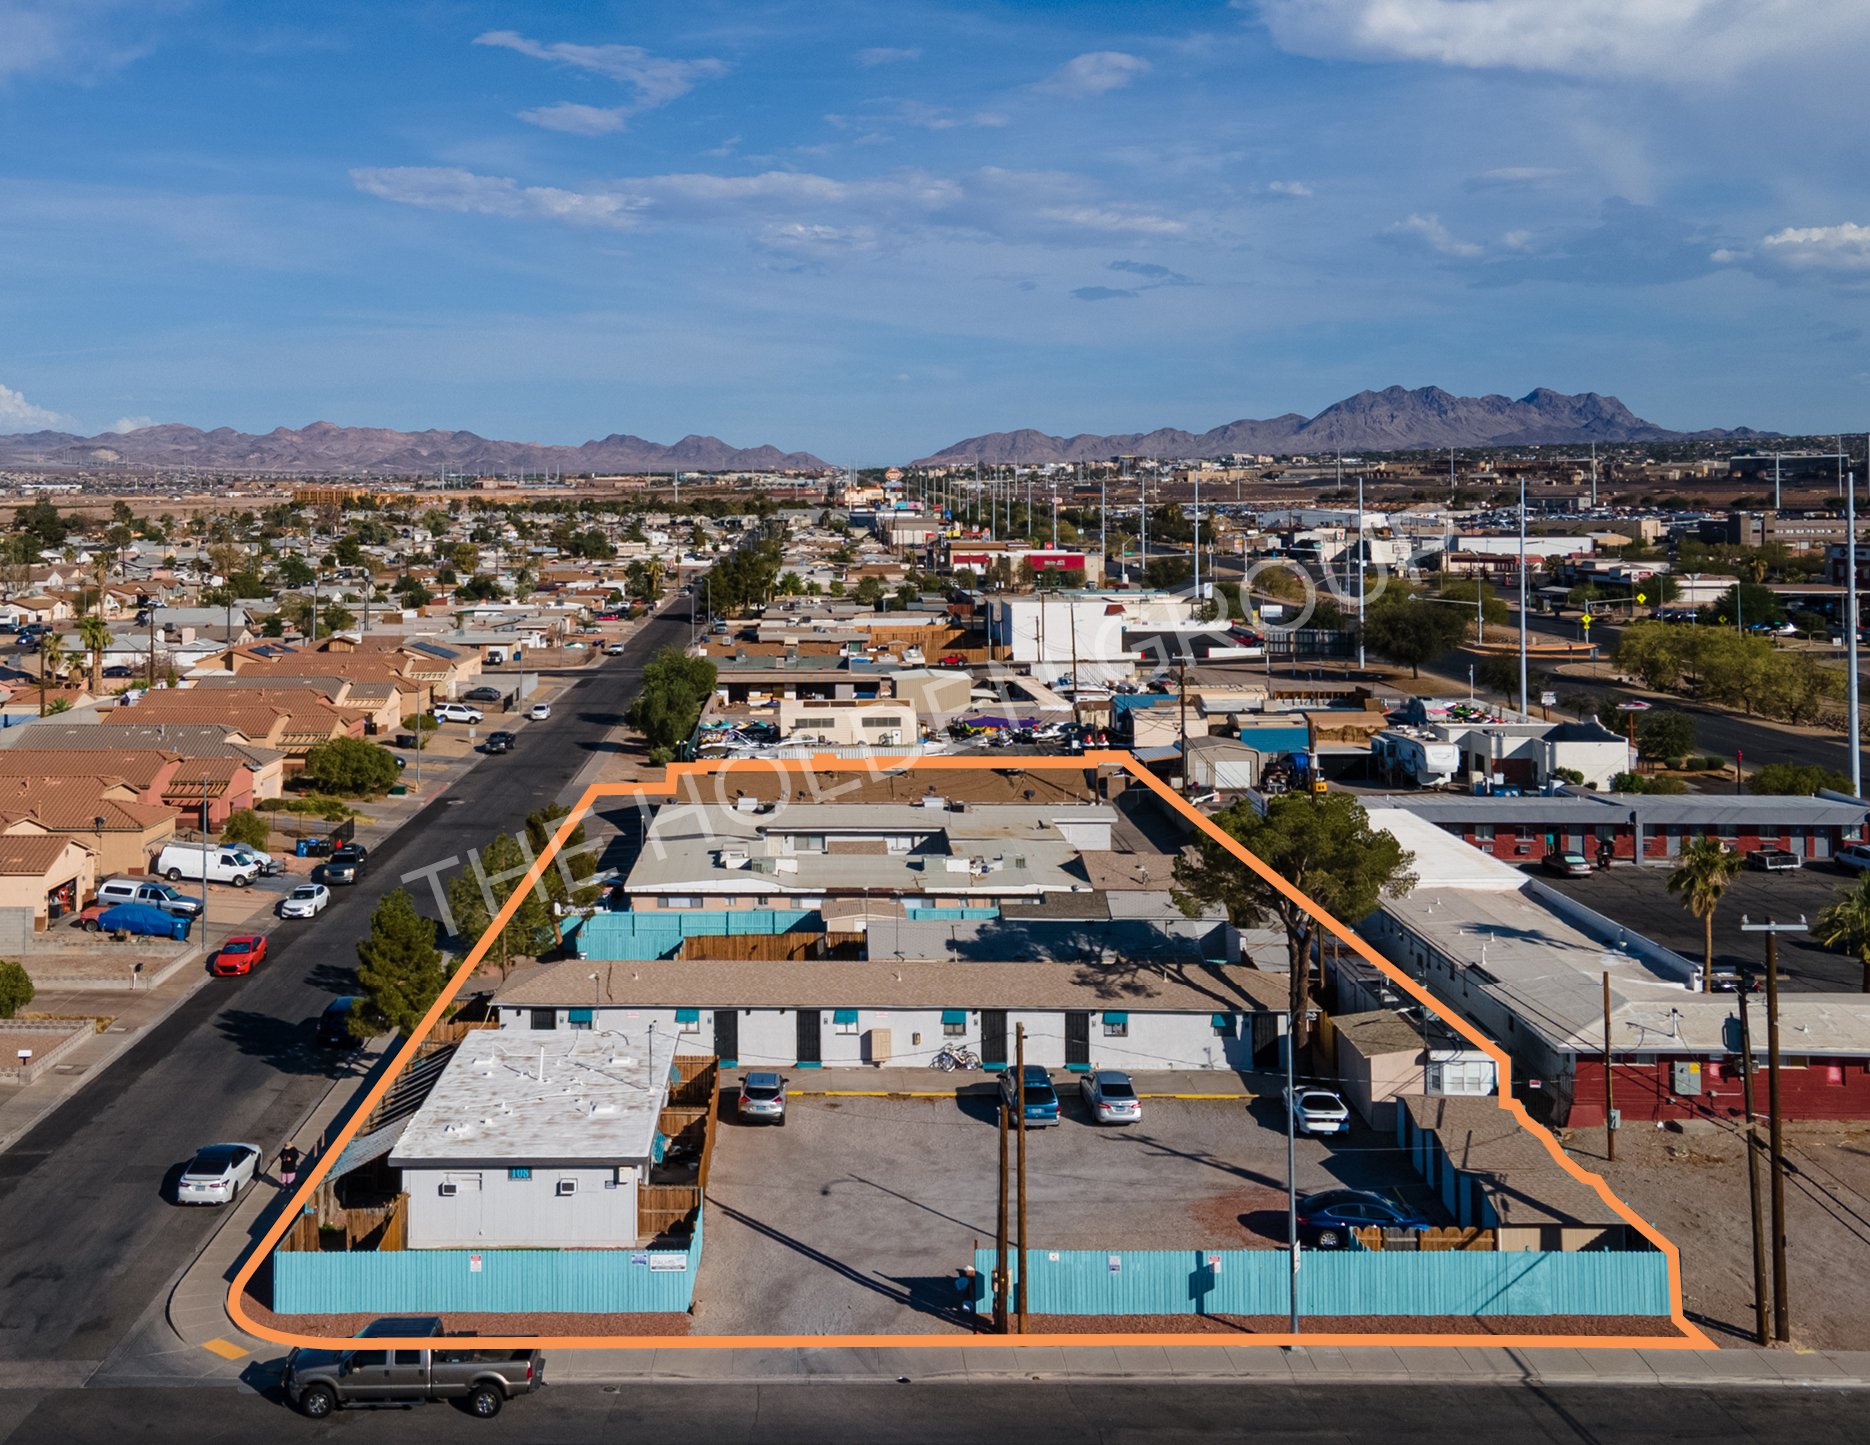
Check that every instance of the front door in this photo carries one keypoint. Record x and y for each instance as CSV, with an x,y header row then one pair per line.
x,y
1077,1041
993,1038
408,1374
367,1375
727,1036
808,1036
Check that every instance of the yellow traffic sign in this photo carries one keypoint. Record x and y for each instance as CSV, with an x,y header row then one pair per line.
x,y
1588,619
1641,598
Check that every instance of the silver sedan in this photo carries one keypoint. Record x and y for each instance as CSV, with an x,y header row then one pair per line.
x,y
1110,1097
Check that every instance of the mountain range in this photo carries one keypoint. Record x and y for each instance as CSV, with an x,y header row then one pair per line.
x,y
1393,419
326,450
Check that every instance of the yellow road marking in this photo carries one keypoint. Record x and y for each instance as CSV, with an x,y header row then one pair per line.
x,y
225,1349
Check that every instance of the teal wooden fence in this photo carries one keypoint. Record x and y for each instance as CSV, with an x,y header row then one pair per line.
x,y
493,1281
1355,1282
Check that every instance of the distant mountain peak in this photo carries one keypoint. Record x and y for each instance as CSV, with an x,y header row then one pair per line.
x,y
327,448
1393,419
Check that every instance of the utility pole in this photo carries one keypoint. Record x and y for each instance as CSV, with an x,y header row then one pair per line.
x,y
1292,1175
1071,612
999,1272
1753,1174
1853,722
1019,1062
1181,690
1363,568
1775,481
1610,1106
1103,526
1525,705
1782,1305
1142,511
1593,476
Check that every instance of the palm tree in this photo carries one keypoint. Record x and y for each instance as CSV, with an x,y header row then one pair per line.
x,y
52,663
1701,880
94,633
1846,923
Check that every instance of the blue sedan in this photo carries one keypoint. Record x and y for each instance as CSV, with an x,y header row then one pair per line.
x,y
1326,1220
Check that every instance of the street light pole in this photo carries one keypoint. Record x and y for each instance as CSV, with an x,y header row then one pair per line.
x,y
1524,696
1019,1062
1853,722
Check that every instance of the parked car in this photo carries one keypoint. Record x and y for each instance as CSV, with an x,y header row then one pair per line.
x,y
1319,1111
1041,1098
1110,1096
319,1381
142,919
308,900
500,742
540,711
157,895
265,862
1566,865
239,954
217,1174
482,694
1774,860
334,1025
1326,1220
221,864
456,713
1852,858
762,1099
954,659
616,649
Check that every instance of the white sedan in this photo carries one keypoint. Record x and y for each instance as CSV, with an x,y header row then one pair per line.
x,y
1319,1111
308,900
540,711
217,1174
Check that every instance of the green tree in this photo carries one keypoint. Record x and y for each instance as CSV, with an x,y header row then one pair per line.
x,y
541,824
1409,632
294,571
1164,573
1745,603
531,929
1846,924
43,522
674,689
399,969
339,618
1664,733
1323,846
16,990
246,826
1791,780
1463,589
350,767
94,633
1701,879
869,591
120,512
53,663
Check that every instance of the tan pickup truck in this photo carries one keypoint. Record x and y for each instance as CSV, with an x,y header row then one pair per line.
x,y
454,1368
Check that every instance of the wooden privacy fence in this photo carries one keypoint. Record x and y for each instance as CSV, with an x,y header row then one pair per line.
x,y
689,1123
382,1229
771,947
1426,1241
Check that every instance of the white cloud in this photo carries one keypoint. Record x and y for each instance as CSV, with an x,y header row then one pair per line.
x,y
790,210
130,423
1429,231
935,117
1516,240
1093,74
1693,41
1842,250
577,119
1290,188
883,55
18,414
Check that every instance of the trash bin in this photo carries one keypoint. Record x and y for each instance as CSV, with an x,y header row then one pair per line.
x,y
399,790
405,740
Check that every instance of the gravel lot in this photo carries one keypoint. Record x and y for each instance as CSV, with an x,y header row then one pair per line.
x,y
854,1218
1694,1189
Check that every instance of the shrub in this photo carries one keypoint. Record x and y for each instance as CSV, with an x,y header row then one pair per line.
x,y
1628,783
1570,775
16,990
1665,785
1788,780
350,766
246,826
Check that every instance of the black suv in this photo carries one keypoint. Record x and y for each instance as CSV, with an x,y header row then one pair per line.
x,y
500,742
353,854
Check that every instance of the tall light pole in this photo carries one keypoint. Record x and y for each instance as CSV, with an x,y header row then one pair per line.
x,y
1362,571
1524,698
1850,623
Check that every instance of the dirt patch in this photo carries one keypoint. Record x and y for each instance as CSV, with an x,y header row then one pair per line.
x,y
329,1327
1694,1189
1616,1326
1244,1219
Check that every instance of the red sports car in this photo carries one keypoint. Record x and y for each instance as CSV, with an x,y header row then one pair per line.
x,y
239,954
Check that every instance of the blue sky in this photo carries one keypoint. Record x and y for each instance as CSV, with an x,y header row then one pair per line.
x,y
871,230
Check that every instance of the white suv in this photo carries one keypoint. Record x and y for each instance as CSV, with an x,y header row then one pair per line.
x,y
457,712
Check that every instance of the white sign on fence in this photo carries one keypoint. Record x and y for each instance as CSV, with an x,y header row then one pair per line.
x,y
473,1264
1116,1263
666,1262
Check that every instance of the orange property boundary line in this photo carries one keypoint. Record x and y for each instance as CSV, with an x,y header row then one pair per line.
x,y
1690,1338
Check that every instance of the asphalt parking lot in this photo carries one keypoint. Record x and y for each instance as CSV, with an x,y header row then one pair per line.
x,y
1640,899
855,1217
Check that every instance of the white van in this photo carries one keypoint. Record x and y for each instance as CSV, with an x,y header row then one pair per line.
x,y
225,865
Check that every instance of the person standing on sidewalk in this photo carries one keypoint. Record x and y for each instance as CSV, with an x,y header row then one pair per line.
x,y
288,1166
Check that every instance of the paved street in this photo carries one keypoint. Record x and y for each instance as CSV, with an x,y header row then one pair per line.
x,y
87,1237
1036,1412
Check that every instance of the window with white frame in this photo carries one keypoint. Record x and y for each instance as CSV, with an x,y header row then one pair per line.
x,y
844,1021
677,900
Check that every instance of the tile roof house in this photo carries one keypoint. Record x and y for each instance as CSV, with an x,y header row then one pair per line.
x,y
48,874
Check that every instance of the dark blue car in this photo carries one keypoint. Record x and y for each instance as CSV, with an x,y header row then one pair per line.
x,y
1041,1097
1326,1220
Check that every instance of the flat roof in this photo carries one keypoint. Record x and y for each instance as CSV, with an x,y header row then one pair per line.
x,y
1611,809
576,1096
1442,860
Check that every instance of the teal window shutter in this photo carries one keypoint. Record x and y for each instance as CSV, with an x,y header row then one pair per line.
x,y
954,1015
1118,1018
688,1015
581,1016
844,1016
